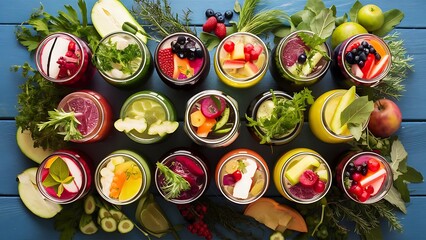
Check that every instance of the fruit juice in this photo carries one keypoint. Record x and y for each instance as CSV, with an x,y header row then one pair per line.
x,y
295,65
321,115
242,176
122,177
92,111
181,60
127,74
365,177
150,107
262,107
211,119
363,59
302,175
64,59
191,167
241,60
73,165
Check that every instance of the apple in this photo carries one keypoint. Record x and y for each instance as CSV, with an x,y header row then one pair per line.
x,y
345,31
371,17
385,119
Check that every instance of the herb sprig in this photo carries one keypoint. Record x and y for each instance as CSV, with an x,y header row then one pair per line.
x,y
174,183
285,115
158,15
64,122
58,176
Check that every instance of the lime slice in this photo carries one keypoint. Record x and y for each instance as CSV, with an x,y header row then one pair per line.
x,y
152,217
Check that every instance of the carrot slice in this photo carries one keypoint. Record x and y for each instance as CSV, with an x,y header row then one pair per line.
x,y
206,127
197,118
117,184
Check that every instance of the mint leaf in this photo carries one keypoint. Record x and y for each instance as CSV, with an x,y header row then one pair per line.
x,y
402,188
60,190
412,175
209,40
392,18
394,197
49,181
59,168
323,24
353,12
282,32
302,16
398,154
357,112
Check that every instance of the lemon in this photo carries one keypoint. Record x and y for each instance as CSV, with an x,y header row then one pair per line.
x,y
152,218
344,102
344,31
130,188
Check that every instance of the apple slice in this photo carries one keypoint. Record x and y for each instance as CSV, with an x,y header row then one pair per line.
x,y
344,102
77,182
26,144
379,67
356,71
238,53
249,69
375,180
32,198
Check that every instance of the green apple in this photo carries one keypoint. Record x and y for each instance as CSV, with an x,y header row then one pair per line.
x,y
345,31
371,17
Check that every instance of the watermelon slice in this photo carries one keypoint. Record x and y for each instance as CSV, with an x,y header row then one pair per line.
x,y
292,51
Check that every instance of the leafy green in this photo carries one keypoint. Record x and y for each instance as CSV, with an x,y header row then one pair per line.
x,y
392,18
42,24
287,113
398,154
209,40
237,7
67,220
174,183
314,6
353,12
394,197
38,96
65,122
356,115
107,56
323,23
59,175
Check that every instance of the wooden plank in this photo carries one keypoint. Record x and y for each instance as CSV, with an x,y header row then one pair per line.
x,y
18,55
20,10
410,134
15,218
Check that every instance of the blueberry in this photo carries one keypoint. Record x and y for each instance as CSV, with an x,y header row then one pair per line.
x,y
220,19
199,53
364,171
217,14
362,56
360,48
209,12
358,168
366,51
372,50
229,14
347,174
190,44
181,55
361,64
350,58
191,55
356,58
351,169
302,58
354,52
181,40
377,55
365,44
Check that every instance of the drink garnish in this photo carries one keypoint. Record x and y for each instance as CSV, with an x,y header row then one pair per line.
x,y
173,183
59,175
66,122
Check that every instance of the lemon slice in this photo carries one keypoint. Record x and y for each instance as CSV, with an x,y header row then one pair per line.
x,y
152,217
345,101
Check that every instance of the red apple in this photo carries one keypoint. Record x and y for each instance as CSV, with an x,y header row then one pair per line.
x,y
385,119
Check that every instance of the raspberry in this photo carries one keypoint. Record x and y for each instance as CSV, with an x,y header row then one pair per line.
x,y
165,61
210,24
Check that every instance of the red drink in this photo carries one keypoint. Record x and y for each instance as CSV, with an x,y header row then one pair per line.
x,y
75,165
92,111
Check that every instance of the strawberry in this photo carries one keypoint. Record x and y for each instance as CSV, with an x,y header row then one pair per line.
x,y
220,30
210,24
165,60
229,46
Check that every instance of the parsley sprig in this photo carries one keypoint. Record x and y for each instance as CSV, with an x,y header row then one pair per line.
x,y
287,113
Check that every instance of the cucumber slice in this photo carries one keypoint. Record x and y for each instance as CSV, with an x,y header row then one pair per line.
x,y
117,215
89,204
129,124
108,224
110,16
223,120
140,206
125,225
276,236
26,144
86,224
103,213
162,128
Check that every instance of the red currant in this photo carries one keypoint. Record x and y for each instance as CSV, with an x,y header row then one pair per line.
x,y
364,196
356,176
356,190
373,165
229,46
369,189
319,186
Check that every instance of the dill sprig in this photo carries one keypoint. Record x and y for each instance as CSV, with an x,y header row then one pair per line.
x,y
158,15
392,85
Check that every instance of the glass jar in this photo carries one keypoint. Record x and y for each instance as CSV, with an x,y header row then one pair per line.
x,y
152,107
261,107
242,176
122,177
321,114
374,54
188,164
292,61
128,74
364,177
92,111
245,63
301,175
212,119
64,59
72,163
182,60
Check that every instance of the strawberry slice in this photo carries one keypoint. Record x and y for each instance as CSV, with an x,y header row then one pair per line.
x,y
379,67
368,66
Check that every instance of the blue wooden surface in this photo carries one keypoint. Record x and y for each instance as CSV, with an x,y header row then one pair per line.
x,y
14,214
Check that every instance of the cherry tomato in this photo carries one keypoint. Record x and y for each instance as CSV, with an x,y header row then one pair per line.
x,y
237,175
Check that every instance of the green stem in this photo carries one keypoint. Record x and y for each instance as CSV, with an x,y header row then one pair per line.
x,y
321,220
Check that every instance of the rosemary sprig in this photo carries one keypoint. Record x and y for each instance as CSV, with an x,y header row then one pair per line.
x,y
65,122
174,183
158,15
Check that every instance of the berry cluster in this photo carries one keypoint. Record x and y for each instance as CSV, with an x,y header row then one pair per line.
x,y
356,173
194,214
216,22
68,64
186,48
359,52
